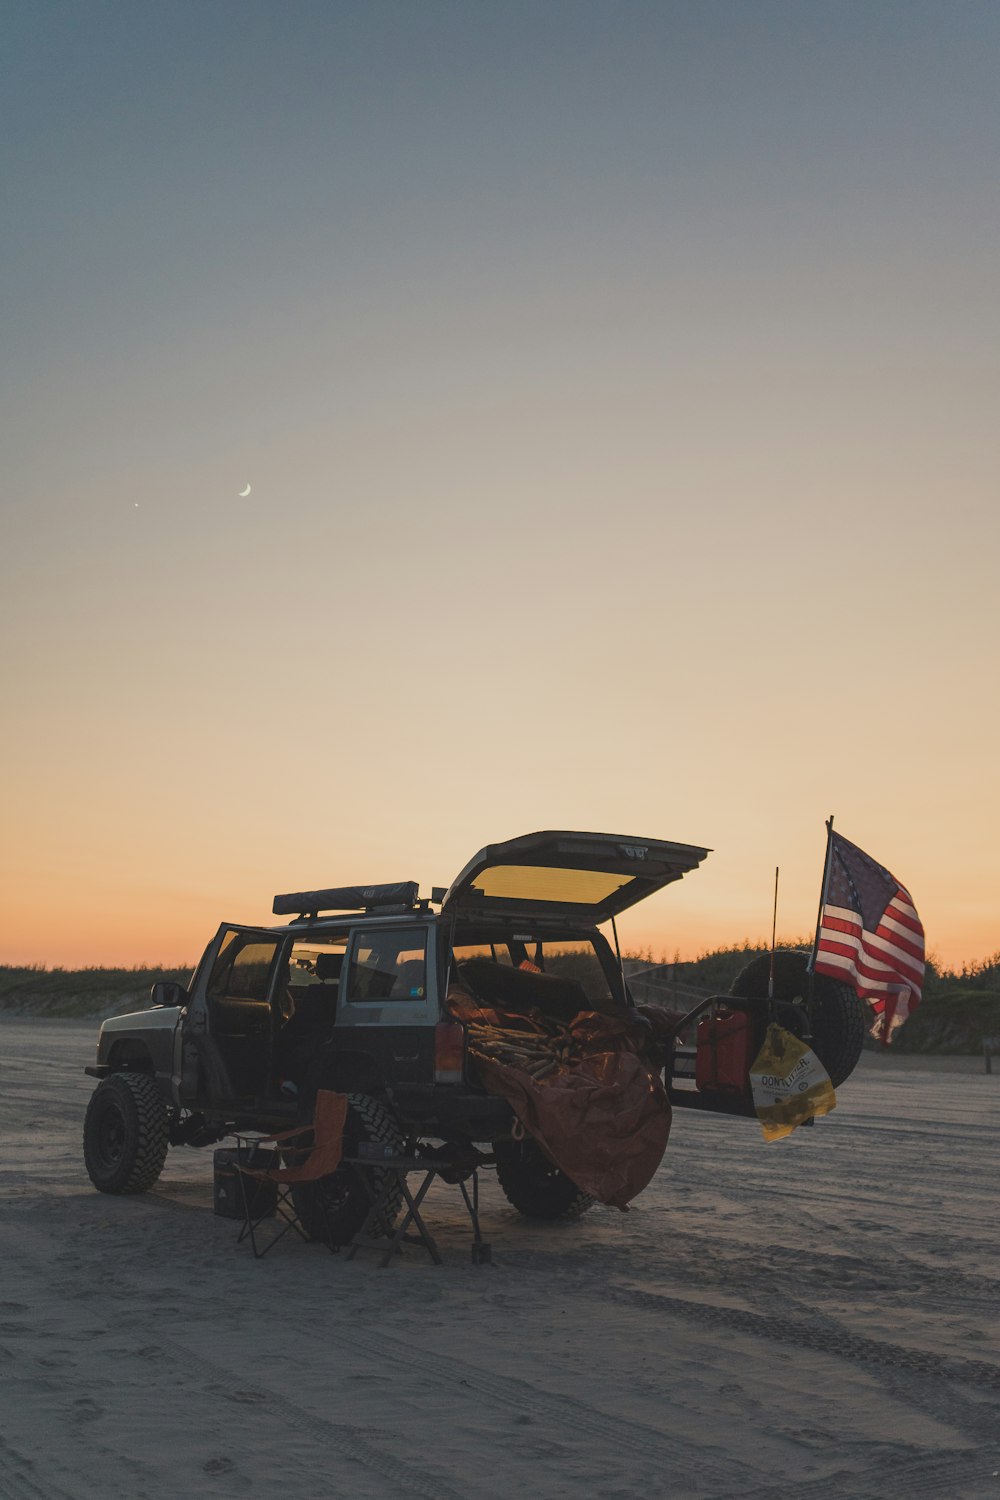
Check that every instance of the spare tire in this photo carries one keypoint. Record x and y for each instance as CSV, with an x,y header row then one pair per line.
x,y
839,1017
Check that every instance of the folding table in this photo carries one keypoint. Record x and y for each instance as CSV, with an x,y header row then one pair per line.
x,y
394,1170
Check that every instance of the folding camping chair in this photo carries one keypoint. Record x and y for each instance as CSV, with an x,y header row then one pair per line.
x,y
311,1159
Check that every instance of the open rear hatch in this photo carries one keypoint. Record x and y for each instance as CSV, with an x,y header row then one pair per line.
x,y
589,877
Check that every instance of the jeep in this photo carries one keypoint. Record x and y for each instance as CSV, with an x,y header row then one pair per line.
x,y
351,995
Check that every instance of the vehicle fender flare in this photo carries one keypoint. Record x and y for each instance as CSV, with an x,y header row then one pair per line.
x,y
130,1055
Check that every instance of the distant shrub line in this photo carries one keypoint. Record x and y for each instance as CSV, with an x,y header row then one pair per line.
x,y
33,989
960,1009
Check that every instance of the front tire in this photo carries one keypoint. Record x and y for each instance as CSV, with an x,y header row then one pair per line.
x,y
839,1020
126,1134
534,1185
334,1209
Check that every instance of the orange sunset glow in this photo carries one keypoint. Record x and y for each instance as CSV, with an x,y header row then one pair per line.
x,y
621,455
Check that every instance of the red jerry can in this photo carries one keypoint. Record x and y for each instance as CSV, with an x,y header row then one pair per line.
x,y
724,1052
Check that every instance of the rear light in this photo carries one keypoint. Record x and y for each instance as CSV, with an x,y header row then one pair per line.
x,y
449,1052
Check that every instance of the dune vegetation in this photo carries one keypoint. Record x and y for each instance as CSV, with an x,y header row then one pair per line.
x,y
960,1012
35,990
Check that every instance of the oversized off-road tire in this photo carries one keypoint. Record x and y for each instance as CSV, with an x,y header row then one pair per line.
x,y
839,1020
534,1185
334,1209
126,1133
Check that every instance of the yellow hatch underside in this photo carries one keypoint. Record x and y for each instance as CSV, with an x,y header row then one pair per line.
x,y
543,883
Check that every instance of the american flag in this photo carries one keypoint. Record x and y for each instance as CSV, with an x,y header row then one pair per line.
x,y
870,935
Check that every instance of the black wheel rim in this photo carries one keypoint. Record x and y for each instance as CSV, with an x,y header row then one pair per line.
x,y
111,1136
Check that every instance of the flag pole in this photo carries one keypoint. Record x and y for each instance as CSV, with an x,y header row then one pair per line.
x,y
774,933
811,966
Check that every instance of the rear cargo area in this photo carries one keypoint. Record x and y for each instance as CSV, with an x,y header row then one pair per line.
x,y
584,1083
527,991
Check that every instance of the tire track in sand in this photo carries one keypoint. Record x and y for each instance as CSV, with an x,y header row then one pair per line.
x,y
404,1477
895,1477
670,1454
851,1346
19,1479
407,1478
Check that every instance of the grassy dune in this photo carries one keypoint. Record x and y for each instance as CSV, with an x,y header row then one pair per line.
x,y
960,1009
38,991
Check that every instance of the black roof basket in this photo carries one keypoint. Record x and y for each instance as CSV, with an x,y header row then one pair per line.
x,y
401,896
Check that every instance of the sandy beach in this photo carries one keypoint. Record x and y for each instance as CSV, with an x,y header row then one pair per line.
x,y
816,1316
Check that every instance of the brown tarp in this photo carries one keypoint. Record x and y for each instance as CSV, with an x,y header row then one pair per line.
x,y
602,1114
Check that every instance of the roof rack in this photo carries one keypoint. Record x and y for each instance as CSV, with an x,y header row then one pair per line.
x,y
401,896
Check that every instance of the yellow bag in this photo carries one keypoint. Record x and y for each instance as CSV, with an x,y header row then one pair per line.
x,y
790,1085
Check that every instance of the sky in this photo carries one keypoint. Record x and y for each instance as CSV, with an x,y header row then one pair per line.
x,y
616,384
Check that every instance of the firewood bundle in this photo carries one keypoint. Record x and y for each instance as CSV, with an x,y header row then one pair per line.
x,y
530,1052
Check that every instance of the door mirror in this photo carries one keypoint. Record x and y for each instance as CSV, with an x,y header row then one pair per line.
x,y
168,992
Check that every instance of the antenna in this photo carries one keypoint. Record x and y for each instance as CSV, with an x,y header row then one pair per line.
x,y
774,932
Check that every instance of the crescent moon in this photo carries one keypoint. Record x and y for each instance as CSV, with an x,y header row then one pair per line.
x,y
244,493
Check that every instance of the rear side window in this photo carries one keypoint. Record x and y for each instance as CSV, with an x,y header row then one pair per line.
x,y
389,966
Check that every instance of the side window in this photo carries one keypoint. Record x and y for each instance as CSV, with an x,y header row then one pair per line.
x,y
389,966
241,969
311,981
316,960
497,953
251,967
219,977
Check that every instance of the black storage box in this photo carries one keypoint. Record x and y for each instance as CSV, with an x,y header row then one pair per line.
x,y
262,1196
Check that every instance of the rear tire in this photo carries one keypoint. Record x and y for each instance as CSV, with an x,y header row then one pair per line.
x,y
534,1185
126,1134
839,1021
333,1209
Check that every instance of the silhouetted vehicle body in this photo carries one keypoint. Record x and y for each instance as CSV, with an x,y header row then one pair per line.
x,y
351,995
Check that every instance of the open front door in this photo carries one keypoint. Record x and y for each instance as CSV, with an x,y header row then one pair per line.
x,y
232,1017
588,877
